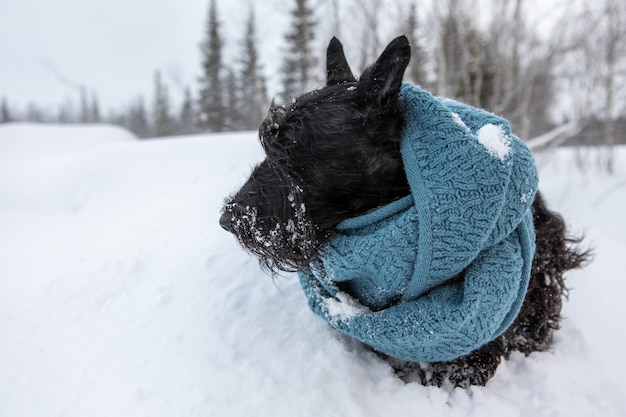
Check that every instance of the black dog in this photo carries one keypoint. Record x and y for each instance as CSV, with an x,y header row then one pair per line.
x,y
334,153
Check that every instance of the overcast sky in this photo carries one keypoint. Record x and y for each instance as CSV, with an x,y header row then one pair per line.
x,y
50,47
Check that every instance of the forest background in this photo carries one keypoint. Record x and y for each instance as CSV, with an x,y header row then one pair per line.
x,y
559,74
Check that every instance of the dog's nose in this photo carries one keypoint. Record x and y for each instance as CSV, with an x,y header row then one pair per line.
x,y
226,221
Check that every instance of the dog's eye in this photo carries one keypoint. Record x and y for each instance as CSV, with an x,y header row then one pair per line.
x,y
279,108
277,115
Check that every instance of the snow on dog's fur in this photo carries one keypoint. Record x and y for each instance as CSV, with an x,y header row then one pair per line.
x,y
333,154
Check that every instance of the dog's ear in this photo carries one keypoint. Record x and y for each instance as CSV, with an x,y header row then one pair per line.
x,y
380,83
337,68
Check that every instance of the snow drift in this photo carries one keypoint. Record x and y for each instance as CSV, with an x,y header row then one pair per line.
x,y
121,296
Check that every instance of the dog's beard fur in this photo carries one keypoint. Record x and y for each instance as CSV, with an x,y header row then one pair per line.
x,y
325,162
275,227
335,151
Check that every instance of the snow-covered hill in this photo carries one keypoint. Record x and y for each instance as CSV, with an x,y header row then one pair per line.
x,y
121,296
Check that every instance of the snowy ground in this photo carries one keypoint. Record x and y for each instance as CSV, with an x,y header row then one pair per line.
x,y
121,296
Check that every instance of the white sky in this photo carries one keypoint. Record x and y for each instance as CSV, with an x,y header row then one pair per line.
x,y
49,47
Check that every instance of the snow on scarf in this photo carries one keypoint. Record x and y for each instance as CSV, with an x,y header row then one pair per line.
x,y
380,278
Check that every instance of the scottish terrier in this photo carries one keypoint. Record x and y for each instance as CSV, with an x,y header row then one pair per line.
x,y
333,154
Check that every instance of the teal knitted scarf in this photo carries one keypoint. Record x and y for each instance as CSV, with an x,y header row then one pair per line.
x,y
384,279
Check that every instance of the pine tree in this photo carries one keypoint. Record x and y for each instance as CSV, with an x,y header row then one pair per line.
x,y
5,114
211,103
84,105
254,96
415,71
35,114
137,119
162,125
187,114
233,101
452,51
94,115
299,64
66,112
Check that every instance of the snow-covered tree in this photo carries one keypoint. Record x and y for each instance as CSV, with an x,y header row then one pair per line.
x,y
186,121
66,112
162,121
5,114
211,109
34,113
299,65
233,101
137,118
84,105
254,95
94,110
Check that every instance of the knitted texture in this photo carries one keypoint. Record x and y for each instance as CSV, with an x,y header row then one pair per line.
x,y
383,278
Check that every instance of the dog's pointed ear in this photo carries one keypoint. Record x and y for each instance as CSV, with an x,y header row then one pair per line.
x,y
337,68
380,83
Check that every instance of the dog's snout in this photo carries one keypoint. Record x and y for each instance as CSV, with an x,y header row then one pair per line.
x,y
226,221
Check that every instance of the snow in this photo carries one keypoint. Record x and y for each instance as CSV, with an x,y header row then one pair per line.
x,y
120,295
495,140
28,140
344,307
457,119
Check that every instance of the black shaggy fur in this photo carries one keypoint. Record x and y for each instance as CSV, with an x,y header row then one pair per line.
x,y
332,154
